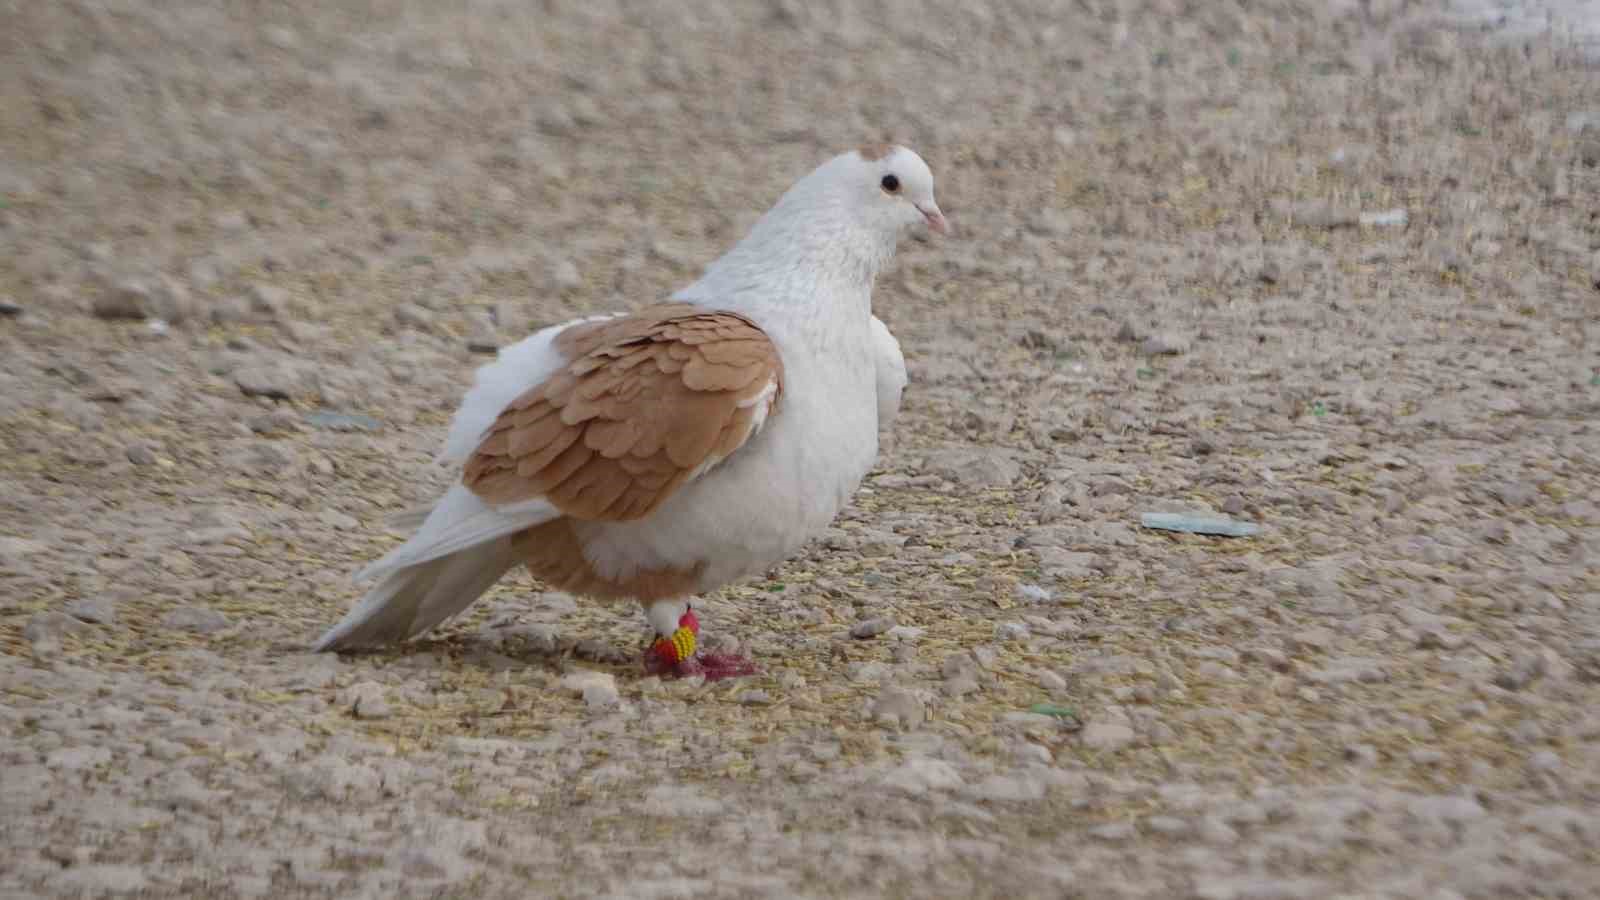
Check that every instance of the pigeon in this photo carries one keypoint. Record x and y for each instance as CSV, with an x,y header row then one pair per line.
x,y
660,454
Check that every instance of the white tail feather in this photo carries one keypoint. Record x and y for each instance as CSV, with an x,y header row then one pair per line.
x,y
415,598
459,521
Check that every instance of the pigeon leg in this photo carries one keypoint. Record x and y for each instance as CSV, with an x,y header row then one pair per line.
x,y
673,653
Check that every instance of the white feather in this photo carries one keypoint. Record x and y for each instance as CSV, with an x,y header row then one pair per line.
x,y
891,370
458,521
413,599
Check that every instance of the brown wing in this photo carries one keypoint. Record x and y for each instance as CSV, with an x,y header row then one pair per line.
x,y
648,401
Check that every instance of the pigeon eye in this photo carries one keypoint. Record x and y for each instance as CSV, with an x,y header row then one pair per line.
x,y
891,184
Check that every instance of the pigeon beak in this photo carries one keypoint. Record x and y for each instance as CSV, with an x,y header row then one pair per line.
x,y
935,218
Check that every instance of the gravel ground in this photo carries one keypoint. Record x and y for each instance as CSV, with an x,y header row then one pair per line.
x,y
1327,267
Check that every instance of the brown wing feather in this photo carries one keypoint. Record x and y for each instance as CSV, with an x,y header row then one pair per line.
x,y
648,400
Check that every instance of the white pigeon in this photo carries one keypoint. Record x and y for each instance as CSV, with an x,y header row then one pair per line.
x,y
663,453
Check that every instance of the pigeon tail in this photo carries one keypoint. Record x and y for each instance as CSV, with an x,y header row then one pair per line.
x,y
410,600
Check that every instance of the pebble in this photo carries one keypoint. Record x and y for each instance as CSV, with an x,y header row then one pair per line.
x,y
14,549
1387,218
918,776
1545,761
1168,826
979,468
94,610
410,315
366,700
598,689
1032,593
1113,832
45,630
899,708
9,309
268,301
871,628
1006,789
1011,631
1107,737
338,520
1316,213
141,453
197,619
330,420
906,633
1163,345
272,382
76,759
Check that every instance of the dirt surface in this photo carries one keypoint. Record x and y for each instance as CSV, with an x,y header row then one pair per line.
x,y
1326,267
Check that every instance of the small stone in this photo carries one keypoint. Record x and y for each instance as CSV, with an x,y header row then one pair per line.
x,y
1270,272
1011,631
76,759
160,299
1113,832
366,700
483,337
94,610
1032,593
231,221
918,776
337,421
1107,737
980,468
1007,789
9,309
410,315
1316,214
1126,334
263,458
45,630
566,275
960,686
899,708
1050,681
870,672
280,36
1426,756
280,421
197,619
338,520
1217,832
1162,345
124,300
905,633
13,550
755,698
1168,826
140,454
1545,761
598,689
268,301
1364,755
1387,218
272,382
1311,640
871,628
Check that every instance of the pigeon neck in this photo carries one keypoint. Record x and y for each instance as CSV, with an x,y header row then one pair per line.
x,y
811,267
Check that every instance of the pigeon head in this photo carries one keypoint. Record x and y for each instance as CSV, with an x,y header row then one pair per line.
x,y
895,187
839,224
